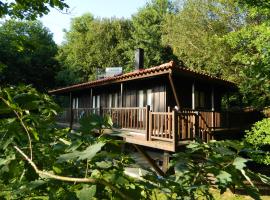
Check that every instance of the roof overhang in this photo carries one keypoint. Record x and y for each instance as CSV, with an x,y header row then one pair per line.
x,y
167,68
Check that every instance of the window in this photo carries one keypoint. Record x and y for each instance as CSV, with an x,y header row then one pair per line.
x,y
75,103
140,98
110,101
149,99
115,100
200,99
96,103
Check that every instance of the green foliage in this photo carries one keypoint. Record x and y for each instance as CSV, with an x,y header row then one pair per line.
x,y
28,9
93,44
147,23
27,54
38,160
195,33
215,163
252,48
259,139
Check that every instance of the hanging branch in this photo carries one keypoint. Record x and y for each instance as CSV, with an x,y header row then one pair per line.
x,y
70,179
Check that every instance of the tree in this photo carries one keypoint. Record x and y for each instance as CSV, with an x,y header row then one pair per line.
x,y
147,33
27,54
252,54
94,44
28,9
195,33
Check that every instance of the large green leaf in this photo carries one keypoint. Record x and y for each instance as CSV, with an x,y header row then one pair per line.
x,y
239,163
224,177
87,192
91,151
68,156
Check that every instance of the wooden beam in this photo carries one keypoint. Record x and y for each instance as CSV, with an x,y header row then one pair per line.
x,y
150,160
174,91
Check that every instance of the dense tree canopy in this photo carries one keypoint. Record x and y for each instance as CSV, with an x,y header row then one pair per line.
x,y
27,54
228,39
147,32
29,9
93,44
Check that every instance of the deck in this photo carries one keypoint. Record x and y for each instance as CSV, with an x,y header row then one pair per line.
x,y
160,130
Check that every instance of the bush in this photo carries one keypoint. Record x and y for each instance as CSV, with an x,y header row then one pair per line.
x,y
259,139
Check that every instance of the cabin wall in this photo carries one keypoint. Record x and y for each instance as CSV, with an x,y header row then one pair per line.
x,y
203,90
138,93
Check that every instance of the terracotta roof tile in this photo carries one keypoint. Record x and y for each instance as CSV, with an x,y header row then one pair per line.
x,y
164,68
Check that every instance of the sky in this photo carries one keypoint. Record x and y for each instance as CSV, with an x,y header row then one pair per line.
x,y
57,21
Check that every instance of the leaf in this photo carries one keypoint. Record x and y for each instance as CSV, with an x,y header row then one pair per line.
x,y
57,169
91,151
68,156
87,192
224,177
104,164
239,163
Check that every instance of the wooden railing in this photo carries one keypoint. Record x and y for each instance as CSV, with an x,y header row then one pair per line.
x,y
170,127
128,118
161,126
179,126
78,113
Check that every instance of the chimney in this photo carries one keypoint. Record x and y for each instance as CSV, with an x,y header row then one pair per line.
x,y
139,58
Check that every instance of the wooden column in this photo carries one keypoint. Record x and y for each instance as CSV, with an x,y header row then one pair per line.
x,y
193,96
121,94
71,110
213,106
91,98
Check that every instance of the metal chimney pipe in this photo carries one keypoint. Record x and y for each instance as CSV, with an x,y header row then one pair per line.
x,y
139,59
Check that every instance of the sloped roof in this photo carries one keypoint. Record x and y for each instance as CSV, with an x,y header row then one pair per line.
x,y
165,68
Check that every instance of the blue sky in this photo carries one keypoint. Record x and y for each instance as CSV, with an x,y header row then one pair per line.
x,y
56,21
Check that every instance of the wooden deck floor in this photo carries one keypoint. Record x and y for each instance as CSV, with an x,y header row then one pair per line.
x,y
133,137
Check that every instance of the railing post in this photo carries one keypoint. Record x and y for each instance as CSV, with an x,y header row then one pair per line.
x,y
196,124
174,130
150,128
147,122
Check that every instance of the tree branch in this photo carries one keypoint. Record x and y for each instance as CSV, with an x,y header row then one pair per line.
x,y
71,179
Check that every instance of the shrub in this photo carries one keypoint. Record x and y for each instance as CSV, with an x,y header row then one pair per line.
x,y
259,139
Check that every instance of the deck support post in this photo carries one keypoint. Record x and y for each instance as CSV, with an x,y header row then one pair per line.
x,y
71,110
174,90
193,96
149,160
166,161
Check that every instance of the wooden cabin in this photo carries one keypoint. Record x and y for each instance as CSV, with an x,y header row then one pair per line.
x,y
161,107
